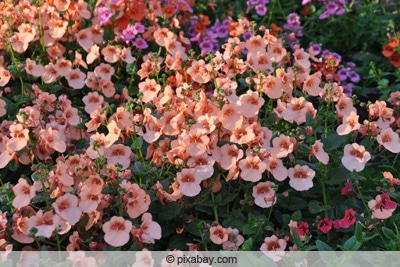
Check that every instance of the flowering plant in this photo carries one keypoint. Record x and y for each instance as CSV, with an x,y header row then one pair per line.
x,y
148,125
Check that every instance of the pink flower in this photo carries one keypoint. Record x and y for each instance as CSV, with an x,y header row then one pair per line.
x,y
347,189
67,207
234,240
151,230
44,223
230,154
390,140
117,231
355,157
282,146
264,195
189,182
274,244
23,193
252,168
119,154
218,234
348,220
301,177
382,206
325,225
76,79
319,153
350,124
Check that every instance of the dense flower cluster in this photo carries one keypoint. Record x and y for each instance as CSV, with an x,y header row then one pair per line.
x,y
115,133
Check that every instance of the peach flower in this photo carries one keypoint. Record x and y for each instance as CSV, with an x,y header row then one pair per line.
x,y
117,231
218,234
44,223
151,230
301,177
272,243
67,207
252,168
264,195
355,157
318,151
23,193
189,182
119,154
389,139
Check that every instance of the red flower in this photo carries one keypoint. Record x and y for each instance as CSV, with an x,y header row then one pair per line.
x,y
347,189
325,225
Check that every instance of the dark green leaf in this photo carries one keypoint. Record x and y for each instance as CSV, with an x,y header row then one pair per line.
x,y
322,246
338,175
389,233
333,141
228,198
172,210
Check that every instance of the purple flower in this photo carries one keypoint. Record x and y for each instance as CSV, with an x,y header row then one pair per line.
x,y
139,27
261,10
206,45
316,48
247,35
351,64
331,7
354,77
140,43
114,2
324,15
222,31
343,74
348,89
129,33
104,14
305,2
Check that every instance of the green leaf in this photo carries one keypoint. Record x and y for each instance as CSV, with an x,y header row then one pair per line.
x,y
296,216
351,244
228,198
322,246
247,245
195,227
172,210
333,141
359,233
338,175
389,233
296,238
309,119
315,207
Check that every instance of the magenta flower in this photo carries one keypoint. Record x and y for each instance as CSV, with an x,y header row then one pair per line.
x,y
349,219
140,43
104,14
325,225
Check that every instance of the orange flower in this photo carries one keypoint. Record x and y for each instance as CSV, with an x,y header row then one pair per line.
x,y
389,176
389,49
150,89
20,137
5,76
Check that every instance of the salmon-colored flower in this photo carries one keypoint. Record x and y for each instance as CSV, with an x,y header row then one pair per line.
x,y
282,146
189,182
111,53
389,176
44,223
252,168
119,154
162,36
93,101
264,194
355,157
18,42
318,151
50,73
389,139
5,76
117,231
23,193
234,240
150,230
230,116
382,206
218,234
150,89
272,86
301,177
54,139
311,84
104,71
276,168
350,124
85,39
67,207
200,71
33,69
251,103
89,201
20,137
137,201
230,155
272,243
196,142
76,78
2,107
